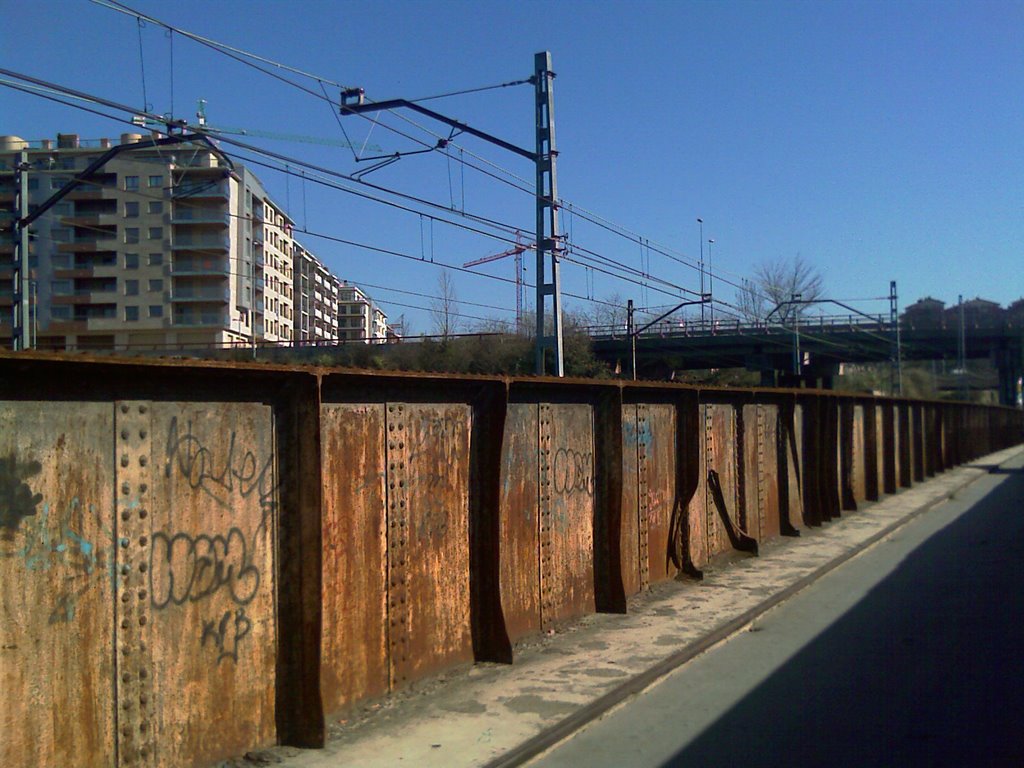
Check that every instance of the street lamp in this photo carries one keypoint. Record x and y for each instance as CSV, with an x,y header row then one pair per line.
x,y
711,284
700,222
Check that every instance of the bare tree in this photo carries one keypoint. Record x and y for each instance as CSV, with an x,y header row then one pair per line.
x,y
444,309
778,282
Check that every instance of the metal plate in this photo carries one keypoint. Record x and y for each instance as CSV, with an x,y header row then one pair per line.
x,y
428,562
56,584
720,453
629,535
657,448
567,512
760,424
213,510
794,450
858,475
520,527
354,663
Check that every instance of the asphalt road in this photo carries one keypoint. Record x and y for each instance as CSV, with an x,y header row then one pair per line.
x,y
911,654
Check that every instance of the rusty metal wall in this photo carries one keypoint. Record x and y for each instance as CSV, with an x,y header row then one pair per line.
x,y
57,574
761,470
354,639
566,512
428,538
858,475
207,629
520,522
152,530
720,457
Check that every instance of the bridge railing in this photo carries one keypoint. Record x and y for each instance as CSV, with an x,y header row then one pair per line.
x,y
672,328
201,559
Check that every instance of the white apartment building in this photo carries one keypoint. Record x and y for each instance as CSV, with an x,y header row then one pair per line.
x,y
359,319
168,247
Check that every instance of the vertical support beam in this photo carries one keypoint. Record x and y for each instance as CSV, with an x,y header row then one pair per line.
x,y
399,602
896,375
133,651
548,247
19,276
609,580
300,715
847,456
490,635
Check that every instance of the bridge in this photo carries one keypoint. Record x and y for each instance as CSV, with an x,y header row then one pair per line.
x,y
200,559
820,343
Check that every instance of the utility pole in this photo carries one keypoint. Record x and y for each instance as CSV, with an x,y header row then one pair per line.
x,y
700,223
962,350
711,284
20,335
632,335
896,369
547,217
796,336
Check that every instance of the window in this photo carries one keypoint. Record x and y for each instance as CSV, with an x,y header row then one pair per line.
x,y
61,260
67,163
33,182
131,210
60,235
155,206
60,312
131,287
64,209
131,234
156,233
156,310
59,182
131,314
156,286
131,183
156,259
131,261
60,287
156,181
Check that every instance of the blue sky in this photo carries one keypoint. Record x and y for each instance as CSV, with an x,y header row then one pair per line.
x,y
878,141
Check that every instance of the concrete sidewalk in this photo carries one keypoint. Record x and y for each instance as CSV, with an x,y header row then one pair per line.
x,y
504,714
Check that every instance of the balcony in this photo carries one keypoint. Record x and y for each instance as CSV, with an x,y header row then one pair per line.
x,y
201,190
196,216
187,242
189,316
200,294
211,267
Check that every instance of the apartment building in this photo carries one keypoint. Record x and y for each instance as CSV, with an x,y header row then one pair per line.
x,y
316,296
359,319
161,248
165,248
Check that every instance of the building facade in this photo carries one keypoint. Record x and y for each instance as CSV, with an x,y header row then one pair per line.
x,y
169,247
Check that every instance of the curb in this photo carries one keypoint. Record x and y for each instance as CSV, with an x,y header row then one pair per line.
x,y
586,714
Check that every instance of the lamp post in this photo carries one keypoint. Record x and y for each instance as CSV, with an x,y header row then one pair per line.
x,y
711,284
700,223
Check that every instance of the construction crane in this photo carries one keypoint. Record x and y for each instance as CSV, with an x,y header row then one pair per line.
x,y
517,251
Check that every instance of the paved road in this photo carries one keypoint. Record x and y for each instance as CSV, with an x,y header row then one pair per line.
x,y
910,654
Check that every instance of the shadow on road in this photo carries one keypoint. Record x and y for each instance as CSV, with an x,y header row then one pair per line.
x,y
928,669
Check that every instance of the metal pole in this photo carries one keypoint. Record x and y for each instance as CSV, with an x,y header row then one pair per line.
x,y
894,313
963,351
711,285
19,335
547,217
630,325
796,337
701,223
